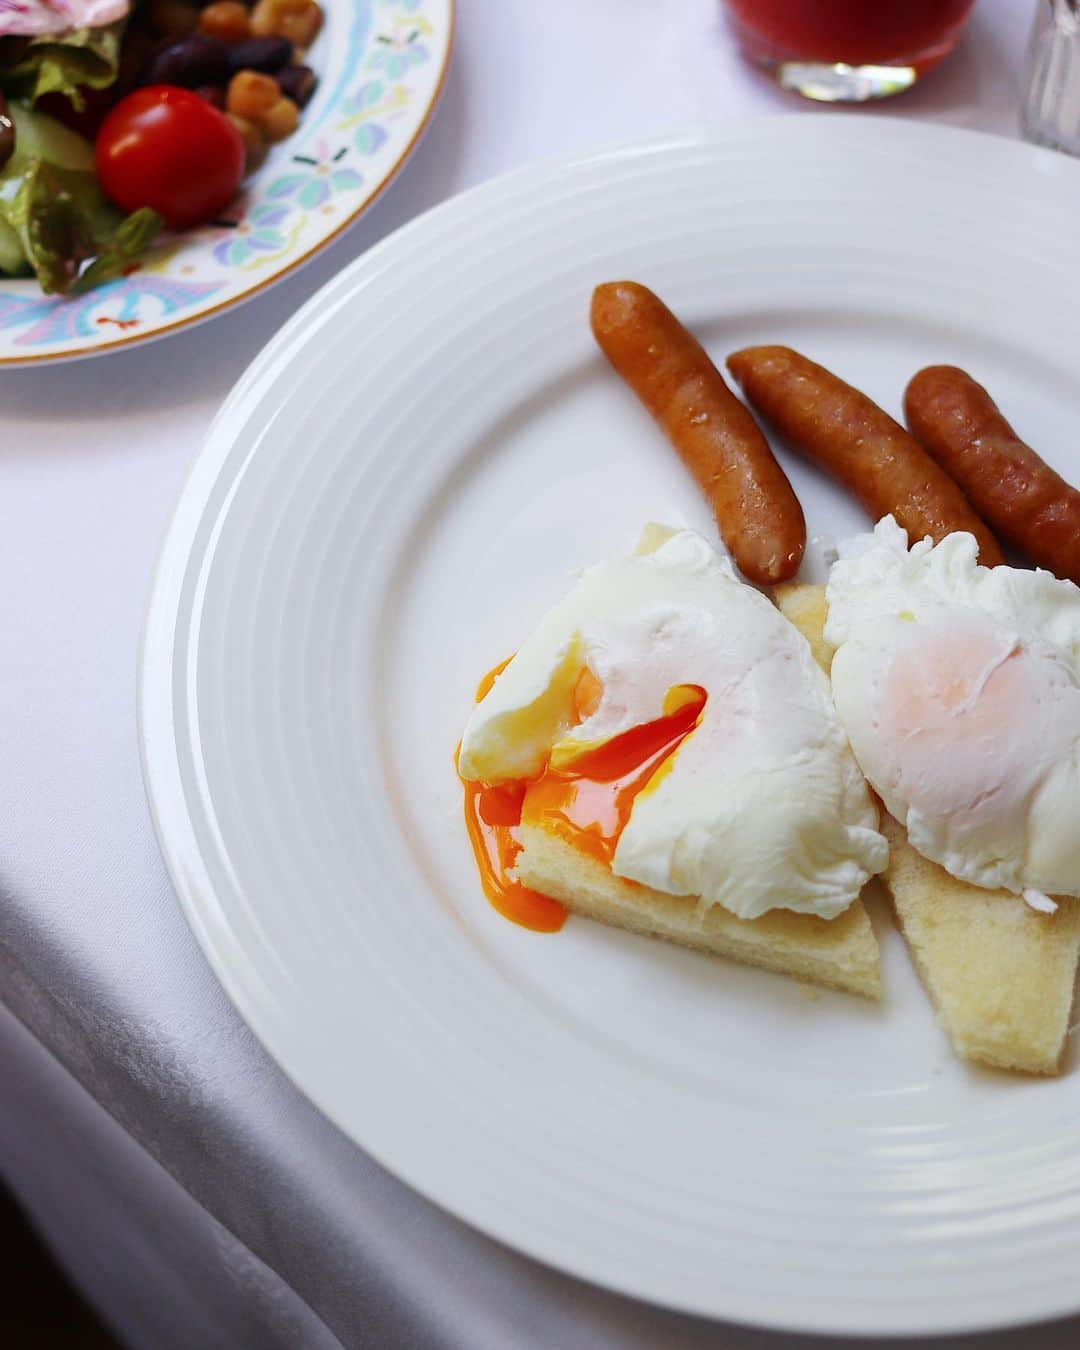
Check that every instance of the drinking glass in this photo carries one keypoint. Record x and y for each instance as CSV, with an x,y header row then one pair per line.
x,y
848,50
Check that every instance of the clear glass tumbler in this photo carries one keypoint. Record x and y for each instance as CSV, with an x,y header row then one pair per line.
x,y
848,50
1051,111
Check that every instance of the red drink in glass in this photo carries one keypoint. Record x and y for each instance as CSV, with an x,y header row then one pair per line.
x,y
848,50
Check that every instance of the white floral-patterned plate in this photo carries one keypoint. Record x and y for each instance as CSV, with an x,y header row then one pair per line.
x,y
381,65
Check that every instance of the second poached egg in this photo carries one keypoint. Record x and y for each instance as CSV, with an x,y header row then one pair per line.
x,y
959,688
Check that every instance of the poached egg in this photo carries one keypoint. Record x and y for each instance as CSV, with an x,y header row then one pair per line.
x,y
761,805
959,689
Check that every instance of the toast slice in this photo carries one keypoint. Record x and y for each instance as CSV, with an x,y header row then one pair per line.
x,y
840,953
1000,974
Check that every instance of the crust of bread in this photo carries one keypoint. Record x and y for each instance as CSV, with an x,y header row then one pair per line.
x,y
840,953
1000,974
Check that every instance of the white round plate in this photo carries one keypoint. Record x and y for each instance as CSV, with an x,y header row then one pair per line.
x,y
381,65
390,498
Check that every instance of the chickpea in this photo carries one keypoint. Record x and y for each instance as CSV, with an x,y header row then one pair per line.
x,y
280,121
251,95
255,144
297,20
226,20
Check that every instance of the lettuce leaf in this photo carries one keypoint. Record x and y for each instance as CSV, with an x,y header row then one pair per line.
x,y
62,219
118,249
67,63
54,216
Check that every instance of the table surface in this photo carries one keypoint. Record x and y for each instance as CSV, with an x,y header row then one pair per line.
x,y
95,957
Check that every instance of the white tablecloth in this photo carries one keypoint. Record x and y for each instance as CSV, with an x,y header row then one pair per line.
x,y
197,1197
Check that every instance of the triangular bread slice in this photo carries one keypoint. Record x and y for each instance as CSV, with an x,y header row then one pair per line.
x,y
840,953
1000,974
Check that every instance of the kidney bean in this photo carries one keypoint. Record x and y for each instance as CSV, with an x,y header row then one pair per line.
x,y
297,83
267,55
190,62
214,95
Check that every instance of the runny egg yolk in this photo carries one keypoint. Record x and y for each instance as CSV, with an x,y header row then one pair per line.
x,y
586,800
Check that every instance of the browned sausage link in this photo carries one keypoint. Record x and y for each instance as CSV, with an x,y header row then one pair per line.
x,y
758,514
850,436
1021,496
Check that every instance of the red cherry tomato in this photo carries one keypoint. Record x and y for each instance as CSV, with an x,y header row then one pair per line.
x,y
167,148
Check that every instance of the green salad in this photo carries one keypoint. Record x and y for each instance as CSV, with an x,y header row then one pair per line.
x,y
121,119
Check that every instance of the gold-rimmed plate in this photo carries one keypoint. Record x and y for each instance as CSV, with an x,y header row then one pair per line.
x,y
381,66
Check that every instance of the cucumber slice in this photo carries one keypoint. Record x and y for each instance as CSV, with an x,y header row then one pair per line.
x,y
38,136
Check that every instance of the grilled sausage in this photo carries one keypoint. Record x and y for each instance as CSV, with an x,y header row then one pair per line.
x,y
847,434
757,512
1026,502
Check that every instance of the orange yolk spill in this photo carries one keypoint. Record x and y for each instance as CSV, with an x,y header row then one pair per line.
x,y
490,814
587,801
484,687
